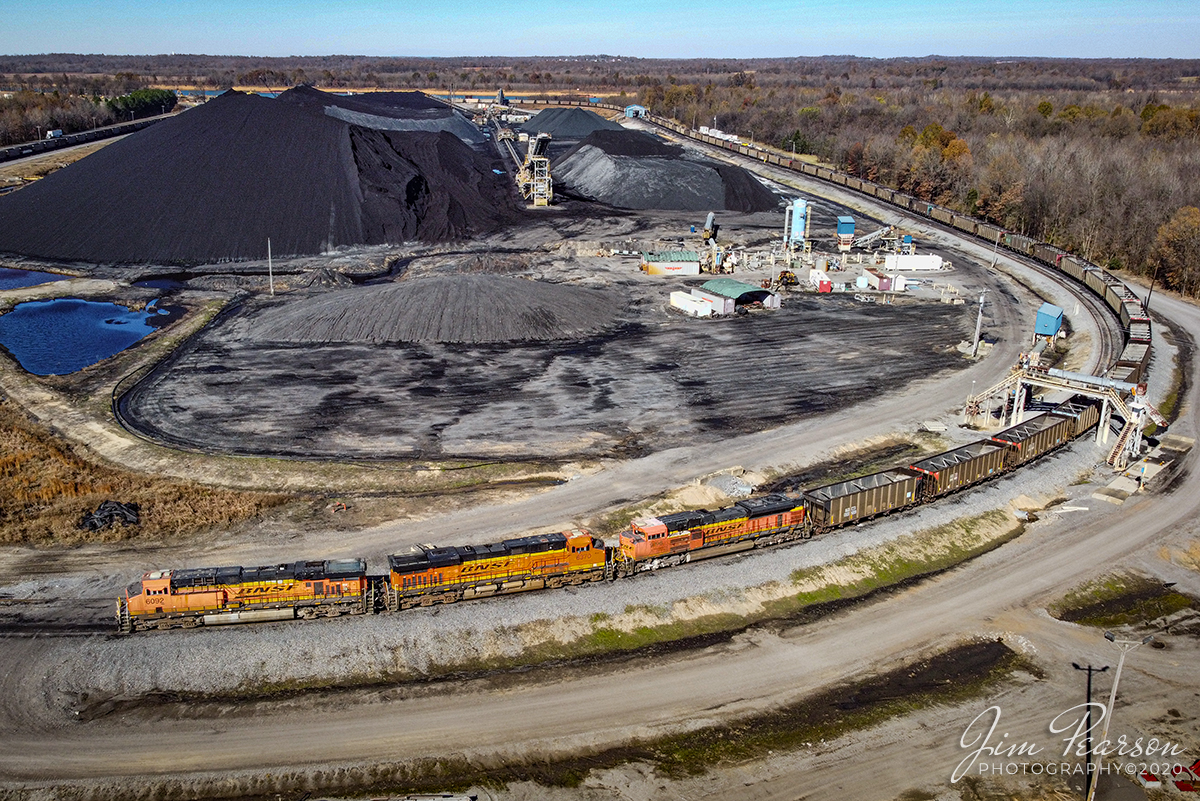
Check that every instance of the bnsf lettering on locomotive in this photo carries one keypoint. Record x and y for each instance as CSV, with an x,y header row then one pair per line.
x,y
484,567
266,589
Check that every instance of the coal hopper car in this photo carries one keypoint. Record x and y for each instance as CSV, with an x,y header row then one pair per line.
x,y
847,502
951,471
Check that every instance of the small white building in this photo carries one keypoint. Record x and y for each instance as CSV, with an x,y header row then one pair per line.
x,y
691,304
895,262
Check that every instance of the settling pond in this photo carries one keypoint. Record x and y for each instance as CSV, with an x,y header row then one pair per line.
x,y
19,279
56,337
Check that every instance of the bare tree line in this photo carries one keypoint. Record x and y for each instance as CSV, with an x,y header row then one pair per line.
x,y
1100,156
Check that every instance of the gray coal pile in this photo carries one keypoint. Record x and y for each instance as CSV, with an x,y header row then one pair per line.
x,y
213,183
456,309
632,170
568,123
388,111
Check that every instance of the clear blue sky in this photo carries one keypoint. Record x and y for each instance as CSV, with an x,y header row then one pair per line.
x,y
645,28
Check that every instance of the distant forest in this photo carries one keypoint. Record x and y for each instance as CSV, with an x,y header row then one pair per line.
x,y
1099,156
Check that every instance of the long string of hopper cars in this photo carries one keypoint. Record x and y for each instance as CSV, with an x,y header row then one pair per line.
x,y
429,575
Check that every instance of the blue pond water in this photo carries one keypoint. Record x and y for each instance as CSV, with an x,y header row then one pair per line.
x,y
56,337
17,279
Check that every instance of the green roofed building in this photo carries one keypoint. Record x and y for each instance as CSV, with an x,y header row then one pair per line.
x,y
741,292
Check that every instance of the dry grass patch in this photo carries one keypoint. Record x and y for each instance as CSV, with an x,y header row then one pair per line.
x,y
46,488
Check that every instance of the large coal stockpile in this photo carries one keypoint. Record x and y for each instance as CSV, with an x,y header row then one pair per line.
x,y
460,308
569,123
214,182
387,111
632,170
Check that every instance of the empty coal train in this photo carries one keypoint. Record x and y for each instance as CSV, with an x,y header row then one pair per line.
x,y
429,575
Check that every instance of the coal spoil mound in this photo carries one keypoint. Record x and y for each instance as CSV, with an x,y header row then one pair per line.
x,y
387,111
213,183
382,104
427,187
674,182
451,309
626,143
569,123
744,192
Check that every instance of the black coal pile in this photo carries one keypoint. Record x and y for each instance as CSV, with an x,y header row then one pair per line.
x,y
383,104
213,183
387,111
453,308
633,170
569,123
624,142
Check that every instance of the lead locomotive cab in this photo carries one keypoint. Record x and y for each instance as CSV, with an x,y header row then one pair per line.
x,y
218,595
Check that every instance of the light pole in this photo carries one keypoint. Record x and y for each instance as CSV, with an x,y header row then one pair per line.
x,y
1124,646
1090,670
996,248
978,326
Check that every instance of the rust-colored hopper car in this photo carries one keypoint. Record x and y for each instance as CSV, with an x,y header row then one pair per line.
x,y
215,595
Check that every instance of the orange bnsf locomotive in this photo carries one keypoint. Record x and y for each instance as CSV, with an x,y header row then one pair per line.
x,y
213,596
428,575
669,540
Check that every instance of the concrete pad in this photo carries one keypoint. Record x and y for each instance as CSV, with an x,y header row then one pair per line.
x,y
1113,496
1175,442
1147,469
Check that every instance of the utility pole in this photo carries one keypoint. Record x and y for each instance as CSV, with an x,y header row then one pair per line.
x,y
1153,276
270,269
996,249
978,326
1087,787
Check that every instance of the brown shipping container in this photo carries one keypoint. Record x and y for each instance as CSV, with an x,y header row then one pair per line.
x,y
860,498
1035,436
961,467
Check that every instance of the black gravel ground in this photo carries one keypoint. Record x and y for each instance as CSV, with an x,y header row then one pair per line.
x,y
214,182
461,308
656,381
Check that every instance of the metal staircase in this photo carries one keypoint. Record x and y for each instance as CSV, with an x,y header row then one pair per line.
x,y
1118,457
